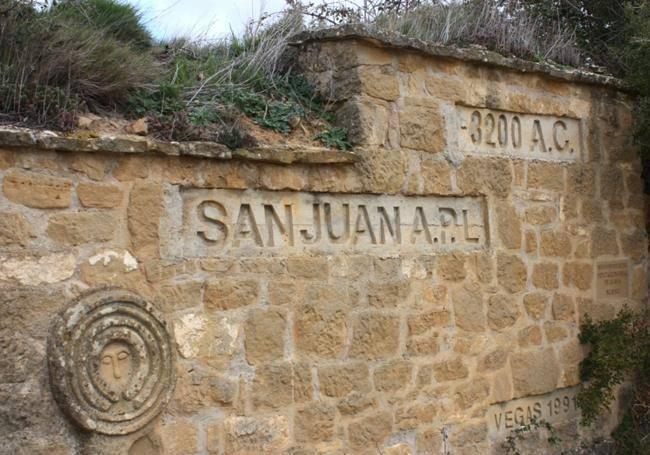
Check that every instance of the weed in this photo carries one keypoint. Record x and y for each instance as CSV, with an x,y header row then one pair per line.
x,y
334,137
518,435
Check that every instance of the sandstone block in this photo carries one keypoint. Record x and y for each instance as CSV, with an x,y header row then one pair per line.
x,y
421,323
179,296
555,331
90,164
468,308
541,215
578,275
355,403
37,190
388,294
15,229
546,176
450,370
429,441
179,437
470,435
502,311
144,213
94,195
436,176
536,304
494,360
393,376
509,226
451,267
379,82
374,336
531,242
581,179
81,227
340,380
534,372
229,293
512,273
265,334
367,121
471,394
545,276
256,434
603,242
315,423
273,386
370,431
530,336
483,175
555,244
308,267
320,331
422,128
634,245
411,416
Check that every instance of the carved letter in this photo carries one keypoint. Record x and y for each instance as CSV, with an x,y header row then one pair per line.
x,y
558,143
497,420
466,226
246,226
307,237
345,235
420,225
362,225
212,212
538,136
394,229
271,218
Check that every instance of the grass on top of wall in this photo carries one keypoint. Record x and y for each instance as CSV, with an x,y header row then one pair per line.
x,y
96,55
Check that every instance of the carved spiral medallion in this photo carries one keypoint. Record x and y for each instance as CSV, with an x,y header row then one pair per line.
x,y
111,362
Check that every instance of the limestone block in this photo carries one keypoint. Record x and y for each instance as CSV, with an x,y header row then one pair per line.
x,y
37,270
541,215
37,190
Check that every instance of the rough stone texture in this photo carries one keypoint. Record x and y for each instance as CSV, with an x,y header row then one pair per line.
x,y
37,190
327,347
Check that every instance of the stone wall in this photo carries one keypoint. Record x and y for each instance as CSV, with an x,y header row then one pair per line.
x,y
423,297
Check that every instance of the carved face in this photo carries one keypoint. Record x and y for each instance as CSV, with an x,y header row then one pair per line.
x,y
116,366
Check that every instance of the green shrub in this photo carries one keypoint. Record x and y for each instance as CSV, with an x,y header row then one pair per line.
x,y
620,350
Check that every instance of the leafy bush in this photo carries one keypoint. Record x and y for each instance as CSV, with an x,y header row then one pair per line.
x,y
620,349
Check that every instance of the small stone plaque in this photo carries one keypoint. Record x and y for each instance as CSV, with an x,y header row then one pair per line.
x,y
495,132
612,280
555,407
218,222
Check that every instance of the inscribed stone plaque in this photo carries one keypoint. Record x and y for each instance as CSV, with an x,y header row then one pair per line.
x,y
555,407
612,280
494,132
110,358
220,221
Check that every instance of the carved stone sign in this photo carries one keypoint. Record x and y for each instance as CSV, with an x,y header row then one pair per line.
x,y
555,407
219,221
612,280
494,132
111,362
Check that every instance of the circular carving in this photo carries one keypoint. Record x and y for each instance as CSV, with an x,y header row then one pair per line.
x,y
111,362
